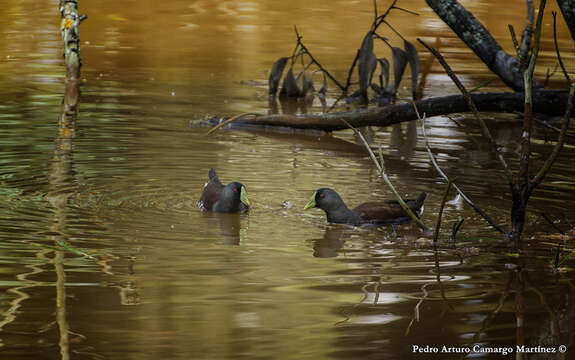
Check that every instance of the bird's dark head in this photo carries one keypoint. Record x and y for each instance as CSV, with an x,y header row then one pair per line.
x,y
237,192
325,199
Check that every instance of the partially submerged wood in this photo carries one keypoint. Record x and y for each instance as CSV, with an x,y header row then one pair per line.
x,y
549,102
71,37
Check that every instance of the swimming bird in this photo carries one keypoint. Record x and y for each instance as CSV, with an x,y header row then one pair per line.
x,y
376,213
216,197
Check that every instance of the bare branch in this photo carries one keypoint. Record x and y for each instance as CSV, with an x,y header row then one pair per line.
x,y
455,229
381,169
382,16
438,276
226,122
550,222
473,108
550,102
557,48
324,70
350,72
444,176
393,29
514,39
405,10
523,179
554,128
416,309
559,145
438,222
549,74
526,36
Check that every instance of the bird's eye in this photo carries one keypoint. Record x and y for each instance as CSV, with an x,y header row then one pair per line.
x,y
236,190
321,196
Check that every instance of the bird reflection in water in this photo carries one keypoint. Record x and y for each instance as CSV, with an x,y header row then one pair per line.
x,y
230,226
332,242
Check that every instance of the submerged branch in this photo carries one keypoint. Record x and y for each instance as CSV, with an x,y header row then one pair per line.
x,y
549,102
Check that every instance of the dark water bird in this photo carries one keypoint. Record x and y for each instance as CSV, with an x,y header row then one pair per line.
x,y
375,213
216,197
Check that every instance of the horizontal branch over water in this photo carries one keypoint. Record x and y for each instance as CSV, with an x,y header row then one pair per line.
x,y
548,102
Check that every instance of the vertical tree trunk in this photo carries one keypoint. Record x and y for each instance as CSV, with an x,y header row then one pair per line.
x,y
71,37
71,50
62,173
520,196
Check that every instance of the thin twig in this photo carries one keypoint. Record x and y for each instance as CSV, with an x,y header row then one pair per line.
x,y
473,108
394,191
393,29
544,123
554,13
568,222
381,18
438,222
565,258
233,118
381,169
438,276
405,10
549,74
560,141
455,229
444,176
523,175
324,70
382,38
514,39
485,83
350,72
416,309
546,217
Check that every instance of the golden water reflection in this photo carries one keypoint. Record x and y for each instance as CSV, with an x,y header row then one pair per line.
x,y
171,282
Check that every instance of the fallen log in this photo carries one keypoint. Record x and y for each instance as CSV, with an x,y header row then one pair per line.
x,y
548,102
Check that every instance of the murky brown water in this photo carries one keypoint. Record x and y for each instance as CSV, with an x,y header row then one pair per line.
x,y
169,282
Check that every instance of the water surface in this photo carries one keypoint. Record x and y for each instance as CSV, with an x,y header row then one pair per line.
x,y
167,281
